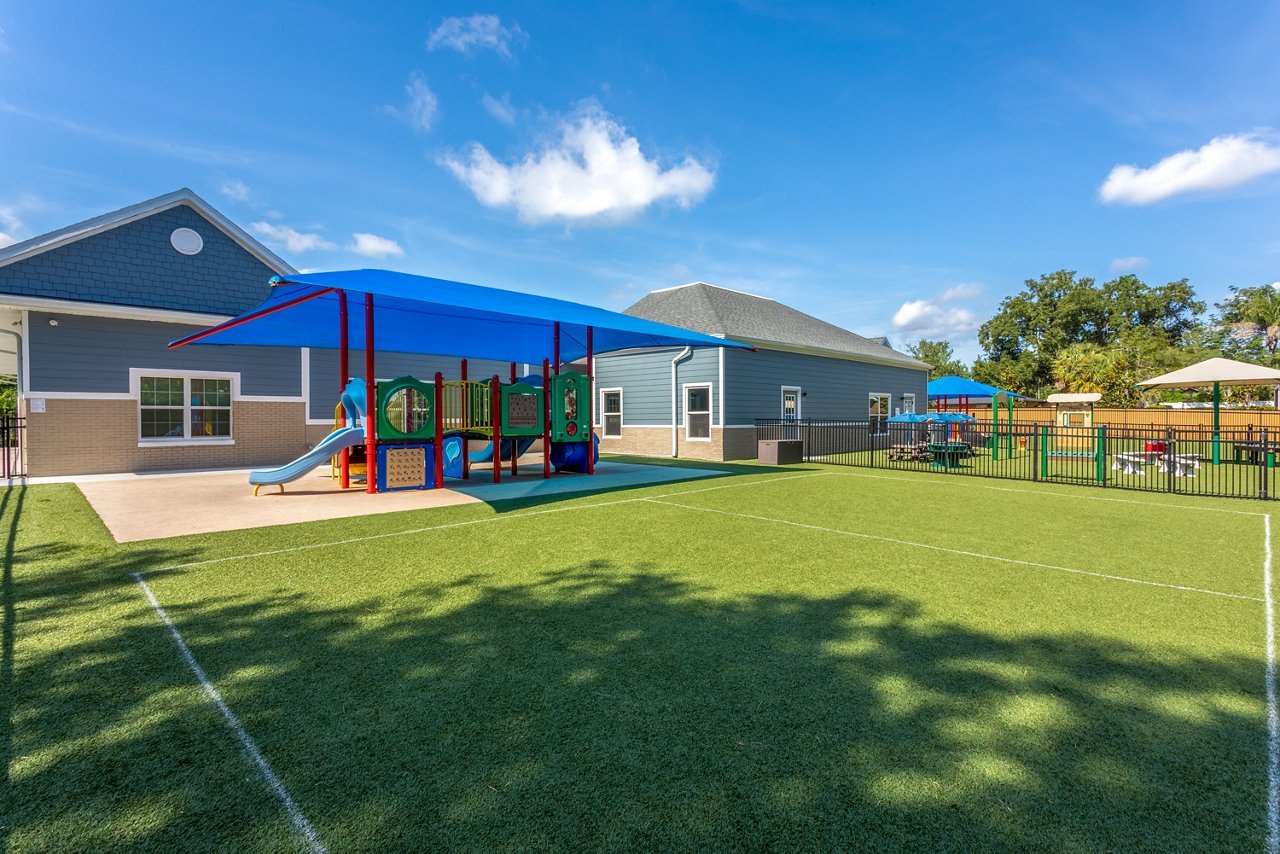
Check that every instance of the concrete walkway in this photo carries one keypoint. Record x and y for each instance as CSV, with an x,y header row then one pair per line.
x,y
148,507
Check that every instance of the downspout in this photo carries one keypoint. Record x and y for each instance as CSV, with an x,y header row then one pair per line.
x,y
675,443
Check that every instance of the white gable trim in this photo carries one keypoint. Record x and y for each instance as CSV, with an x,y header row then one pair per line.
x,y
72,233
112,310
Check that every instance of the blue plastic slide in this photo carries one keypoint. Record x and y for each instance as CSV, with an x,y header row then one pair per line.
x,y
353,402
332,444
485,454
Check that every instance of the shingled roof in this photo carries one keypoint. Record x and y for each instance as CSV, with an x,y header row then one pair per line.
x,y
757,320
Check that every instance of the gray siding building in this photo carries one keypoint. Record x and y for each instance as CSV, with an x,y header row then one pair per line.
x,y
703,404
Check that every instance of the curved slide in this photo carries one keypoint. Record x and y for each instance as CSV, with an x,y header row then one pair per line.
x,y
485,454
332,444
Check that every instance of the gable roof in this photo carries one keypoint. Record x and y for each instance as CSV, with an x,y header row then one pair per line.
x,y
727,313
98,224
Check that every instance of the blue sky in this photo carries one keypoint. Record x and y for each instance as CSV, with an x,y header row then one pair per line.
x,y
896,169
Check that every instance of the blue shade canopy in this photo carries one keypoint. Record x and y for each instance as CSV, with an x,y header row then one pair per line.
x,y
953,387
418,314
908,418
949,416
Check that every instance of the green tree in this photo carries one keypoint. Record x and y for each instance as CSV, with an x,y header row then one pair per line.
x,y
940,355
1250,319
1058,310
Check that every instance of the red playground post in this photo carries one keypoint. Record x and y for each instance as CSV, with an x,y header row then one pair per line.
x,y
495,418
466,407
439,443
344,461
370,403
546,419
591,399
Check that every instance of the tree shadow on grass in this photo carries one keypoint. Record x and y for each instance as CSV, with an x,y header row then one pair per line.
x,y
617,706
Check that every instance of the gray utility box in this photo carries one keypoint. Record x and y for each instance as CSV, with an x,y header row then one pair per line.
x,y
780,452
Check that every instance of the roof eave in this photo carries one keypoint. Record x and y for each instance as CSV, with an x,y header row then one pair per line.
x,y
105,222
786,347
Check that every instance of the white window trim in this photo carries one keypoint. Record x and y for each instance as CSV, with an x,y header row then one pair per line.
x,y
884,394
684,409
600,413
912,395
782,401
186,440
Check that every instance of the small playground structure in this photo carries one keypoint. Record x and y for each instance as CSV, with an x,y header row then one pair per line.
x,y
412,432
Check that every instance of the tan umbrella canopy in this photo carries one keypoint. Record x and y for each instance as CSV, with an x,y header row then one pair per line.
x,y
1216,372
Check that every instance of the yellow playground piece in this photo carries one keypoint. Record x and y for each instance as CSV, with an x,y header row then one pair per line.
x,y
357,469
466,407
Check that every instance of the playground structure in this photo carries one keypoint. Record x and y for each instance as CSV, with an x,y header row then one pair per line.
x,y
424,428
415,431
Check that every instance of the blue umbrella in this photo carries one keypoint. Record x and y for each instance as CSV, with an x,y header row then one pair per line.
x,y
908,418
950,416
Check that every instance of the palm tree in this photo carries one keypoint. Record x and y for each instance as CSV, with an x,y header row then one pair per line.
x,y
1260,318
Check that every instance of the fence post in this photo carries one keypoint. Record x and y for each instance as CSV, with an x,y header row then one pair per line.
x,y
1100,456
1170,465
1044,450
1266,462
1035,454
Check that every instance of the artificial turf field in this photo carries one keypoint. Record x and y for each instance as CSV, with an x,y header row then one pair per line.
x,y
781,658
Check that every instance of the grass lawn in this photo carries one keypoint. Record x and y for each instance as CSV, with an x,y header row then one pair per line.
x,y
808,657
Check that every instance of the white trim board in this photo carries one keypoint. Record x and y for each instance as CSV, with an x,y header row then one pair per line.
x,y
114,311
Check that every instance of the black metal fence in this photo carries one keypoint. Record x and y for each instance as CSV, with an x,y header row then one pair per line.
x,y
12,452
1191,461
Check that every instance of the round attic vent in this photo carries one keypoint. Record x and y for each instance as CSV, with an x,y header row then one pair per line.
x,y
186,241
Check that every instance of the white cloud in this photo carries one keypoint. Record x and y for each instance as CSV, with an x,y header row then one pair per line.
x,y
1128,264
234,189
420,112
500,109
373,246
1221,163
477,32
938,317
292,239
595,171
12,224
959,292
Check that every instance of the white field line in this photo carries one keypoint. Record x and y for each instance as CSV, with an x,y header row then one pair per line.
x,y
300,823
1273,714
968,482
961,552
509,517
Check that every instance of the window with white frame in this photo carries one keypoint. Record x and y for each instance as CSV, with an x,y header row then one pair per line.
x,y
611,413
697,412
909,403
184,407
878,413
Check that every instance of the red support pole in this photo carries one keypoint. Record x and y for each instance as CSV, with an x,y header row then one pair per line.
x,y
513,373
466,411
370,403
238,321
591,399
555,353
344,350
495,418
546,419
438,450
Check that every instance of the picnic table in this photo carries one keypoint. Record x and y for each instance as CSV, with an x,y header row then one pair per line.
x,y
1184,465
947,455
1254,450
1131,463
918,452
